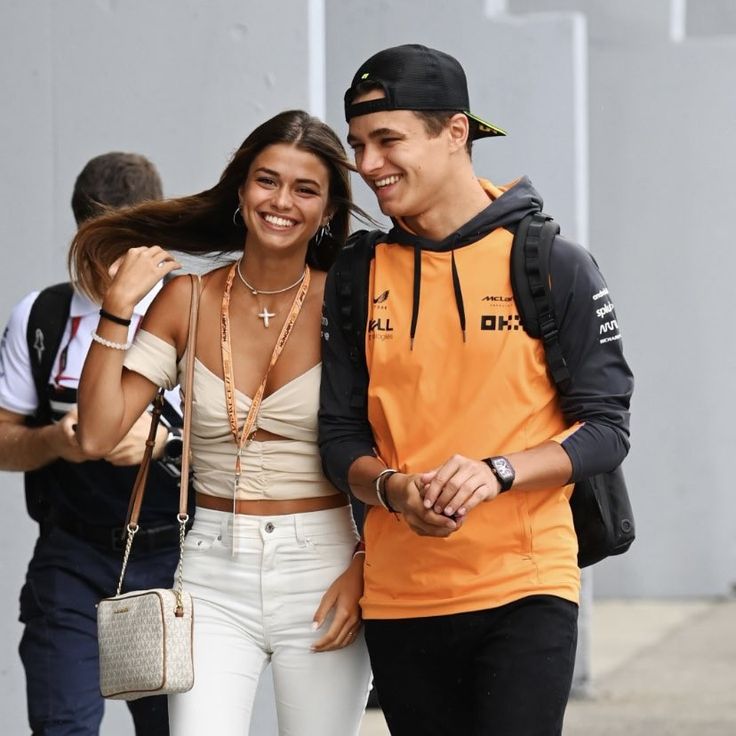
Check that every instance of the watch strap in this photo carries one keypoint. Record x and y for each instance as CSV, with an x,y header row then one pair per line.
x,y
505,481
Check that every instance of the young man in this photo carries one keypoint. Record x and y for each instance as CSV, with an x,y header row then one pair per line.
x,y
463,449
80,506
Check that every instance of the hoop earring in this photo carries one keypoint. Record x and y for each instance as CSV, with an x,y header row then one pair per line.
x,y
235,215
323,232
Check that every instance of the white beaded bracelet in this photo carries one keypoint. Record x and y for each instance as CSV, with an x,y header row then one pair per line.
x,y
110,343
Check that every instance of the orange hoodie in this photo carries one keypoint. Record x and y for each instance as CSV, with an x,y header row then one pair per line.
x,y
451,370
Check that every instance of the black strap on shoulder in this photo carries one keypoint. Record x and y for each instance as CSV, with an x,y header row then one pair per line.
x,y
351,277
530,281
46,323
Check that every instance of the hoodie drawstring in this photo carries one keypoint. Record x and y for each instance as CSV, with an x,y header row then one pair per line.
x,y
458,295
507,207
415,296
416,290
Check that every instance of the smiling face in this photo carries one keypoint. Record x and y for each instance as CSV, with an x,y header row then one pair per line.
x,y
285,198
408,169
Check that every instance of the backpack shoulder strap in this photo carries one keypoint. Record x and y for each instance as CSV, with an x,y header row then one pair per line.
x,y
351,276
46,322
530,282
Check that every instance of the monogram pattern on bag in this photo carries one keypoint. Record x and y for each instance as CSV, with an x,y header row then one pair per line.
x,y
144,648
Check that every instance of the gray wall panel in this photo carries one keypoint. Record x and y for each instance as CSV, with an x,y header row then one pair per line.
x,y
182,81
527,76
662,117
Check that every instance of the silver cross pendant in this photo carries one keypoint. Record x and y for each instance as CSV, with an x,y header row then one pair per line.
x,y
265,315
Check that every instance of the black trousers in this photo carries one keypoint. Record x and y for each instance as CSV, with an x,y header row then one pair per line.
x,y
503,671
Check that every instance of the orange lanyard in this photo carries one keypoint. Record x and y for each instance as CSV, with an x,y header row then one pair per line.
x,y
249,430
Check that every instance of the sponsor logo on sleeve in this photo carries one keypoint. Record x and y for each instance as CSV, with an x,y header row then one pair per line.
x,y
608,331
608,328
607,308
38,344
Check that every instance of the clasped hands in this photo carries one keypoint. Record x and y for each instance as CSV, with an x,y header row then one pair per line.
x,y
436,503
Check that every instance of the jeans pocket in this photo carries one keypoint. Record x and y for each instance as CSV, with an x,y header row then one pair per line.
x,y
201,541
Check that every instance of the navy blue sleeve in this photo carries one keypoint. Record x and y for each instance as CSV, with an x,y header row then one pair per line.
x,y
601,382
344,431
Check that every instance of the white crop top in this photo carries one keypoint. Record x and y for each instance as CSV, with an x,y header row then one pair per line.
x,y
274,470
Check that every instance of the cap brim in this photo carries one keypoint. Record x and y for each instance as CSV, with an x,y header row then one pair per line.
x,y
482,128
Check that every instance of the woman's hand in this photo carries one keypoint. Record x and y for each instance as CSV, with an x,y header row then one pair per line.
x,y
343,598
134,275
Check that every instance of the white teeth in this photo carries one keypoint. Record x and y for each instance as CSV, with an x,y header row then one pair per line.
x,y
385,182
278,221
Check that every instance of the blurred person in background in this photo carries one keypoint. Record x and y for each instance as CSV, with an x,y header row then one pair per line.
x,y
81,504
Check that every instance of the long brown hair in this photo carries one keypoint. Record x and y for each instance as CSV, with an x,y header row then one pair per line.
x,y
203,223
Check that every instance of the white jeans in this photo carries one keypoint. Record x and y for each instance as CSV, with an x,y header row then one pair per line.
x,y
257,606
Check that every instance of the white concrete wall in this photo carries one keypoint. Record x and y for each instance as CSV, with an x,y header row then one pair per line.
x,y
518,71
662,122
183,81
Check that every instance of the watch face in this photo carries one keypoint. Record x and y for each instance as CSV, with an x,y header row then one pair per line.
x,y
503,468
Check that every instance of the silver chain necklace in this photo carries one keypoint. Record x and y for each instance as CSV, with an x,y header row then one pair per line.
x,y
256,292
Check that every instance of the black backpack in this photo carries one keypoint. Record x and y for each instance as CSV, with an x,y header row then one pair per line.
x,y
601,509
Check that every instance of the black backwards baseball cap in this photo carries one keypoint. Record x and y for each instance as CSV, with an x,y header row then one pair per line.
x,y
415,77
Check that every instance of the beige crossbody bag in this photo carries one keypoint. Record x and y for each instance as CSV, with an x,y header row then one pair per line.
x,y
145,636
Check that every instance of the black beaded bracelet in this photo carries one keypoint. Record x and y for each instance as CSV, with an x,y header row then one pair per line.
x,y
114,318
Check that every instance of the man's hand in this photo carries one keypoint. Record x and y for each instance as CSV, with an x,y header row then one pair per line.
x,y
129,451
404,493
62,439
458,486
24,448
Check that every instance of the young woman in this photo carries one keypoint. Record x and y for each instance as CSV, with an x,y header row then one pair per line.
x,y
270,559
